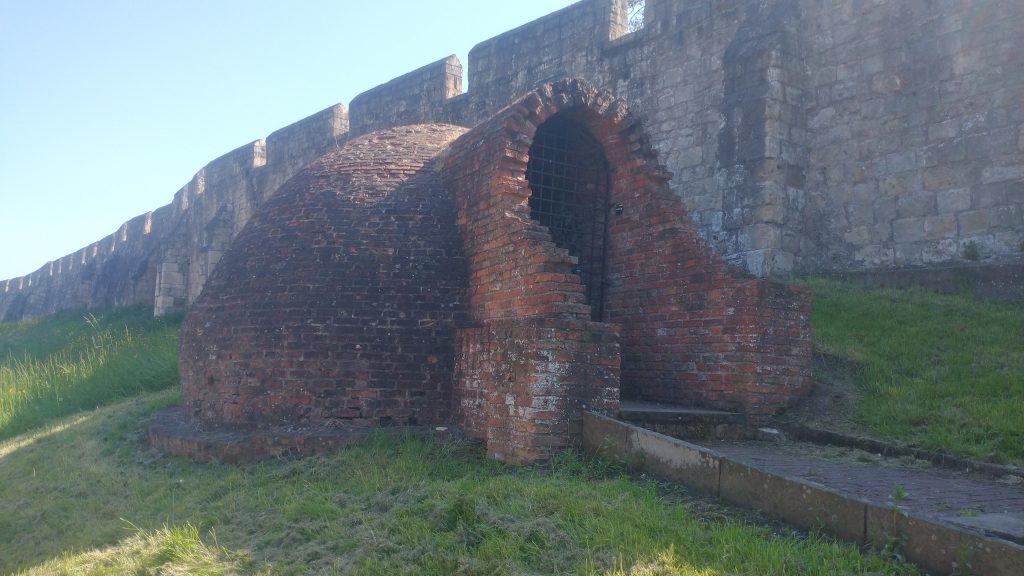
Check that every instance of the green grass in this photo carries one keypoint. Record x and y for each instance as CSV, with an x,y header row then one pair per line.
x,y
168,550
936,371
88,496
81,492
76,361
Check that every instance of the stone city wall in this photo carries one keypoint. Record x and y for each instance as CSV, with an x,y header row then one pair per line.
x,y
803,136
915,116
163,258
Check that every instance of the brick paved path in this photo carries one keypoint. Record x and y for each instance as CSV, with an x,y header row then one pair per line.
x,y
967,499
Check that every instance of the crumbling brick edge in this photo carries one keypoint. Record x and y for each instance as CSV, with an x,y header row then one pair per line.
x,y
936,547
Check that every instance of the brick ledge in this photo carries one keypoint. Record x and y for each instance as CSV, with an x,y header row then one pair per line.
x,y
170,432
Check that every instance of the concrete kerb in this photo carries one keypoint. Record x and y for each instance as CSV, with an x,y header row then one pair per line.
x,y
663,456
942,549
939,548
797,502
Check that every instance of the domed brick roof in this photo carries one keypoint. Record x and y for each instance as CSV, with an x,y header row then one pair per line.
x,y
336,304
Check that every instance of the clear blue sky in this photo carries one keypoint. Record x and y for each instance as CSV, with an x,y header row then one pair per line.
x,y
108,107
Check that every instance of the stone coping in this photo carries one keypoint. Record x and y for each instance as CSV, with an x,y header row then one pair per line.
x,y
938,547
942,459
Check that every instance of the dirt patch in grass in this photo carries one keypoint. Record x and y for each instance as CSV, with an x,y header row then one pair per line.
x,y
832,403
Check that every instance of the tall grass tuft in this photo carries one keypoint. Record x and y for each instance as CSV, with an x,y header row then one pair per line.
x,y
70,362
168,550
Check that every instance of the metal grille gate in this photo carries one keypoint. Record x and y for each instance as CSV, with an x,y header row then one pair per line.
x,y
568,176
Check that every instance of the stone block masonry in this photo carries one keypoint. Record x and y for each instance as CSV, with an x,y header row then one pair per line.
x,y
914,113
803,135
163,258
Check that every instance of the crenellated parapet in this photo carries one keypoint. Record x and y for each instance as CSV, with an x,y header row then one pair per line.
x,y
222,197
419,97
162,258
802,136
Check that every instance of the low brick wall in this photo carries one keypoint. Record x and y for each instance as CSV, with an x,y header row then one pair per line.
x,y
521,385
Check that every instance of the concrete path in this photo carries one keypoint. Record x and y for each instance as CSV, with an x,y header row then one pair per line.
x,y
948,521
975,501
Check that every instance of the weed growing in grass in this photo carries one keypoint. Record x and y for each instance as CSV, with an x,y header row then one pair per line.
x,y
937,371
386,506
70,362
971,251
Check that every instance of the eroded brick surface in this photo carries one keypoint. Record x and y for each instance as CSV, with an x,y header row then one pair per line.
x,y
337,304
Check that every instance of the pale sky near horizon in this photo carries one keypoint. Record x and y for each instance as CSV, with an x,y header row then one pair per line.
x,y
108,107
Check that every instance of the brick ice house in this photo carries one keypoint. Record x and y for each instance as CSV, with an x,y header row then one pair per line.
x,y
597,219
500,280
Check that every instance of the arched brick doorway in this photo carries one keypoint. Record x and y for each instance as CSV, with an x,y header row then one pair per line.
x,y
555,329
569,181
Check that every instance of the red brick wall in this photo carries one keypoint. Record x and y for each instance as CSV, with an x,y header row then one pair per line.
x,y
521,385
364,289
693,329
534,358
337,304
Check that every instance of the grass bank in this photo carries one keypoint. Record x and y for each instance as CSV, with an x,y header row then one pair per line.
x,y
90,497
84,494
77,361
936,371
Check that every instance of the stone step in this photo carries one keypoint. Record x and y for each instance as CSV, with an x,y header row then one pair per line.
x,y
657,411
685,422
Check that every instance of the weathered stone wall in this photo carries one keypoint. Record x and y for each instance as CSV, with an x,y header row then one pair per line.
x,y
119,270
810,135
916,132
162,258
803,135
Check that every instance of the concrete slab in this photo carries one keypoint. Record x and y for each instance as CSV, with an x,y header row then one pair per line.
x,y
1005,525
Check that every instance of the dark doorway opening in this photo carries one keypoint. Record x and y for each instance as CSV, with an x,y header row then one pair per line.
x,y
568,175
